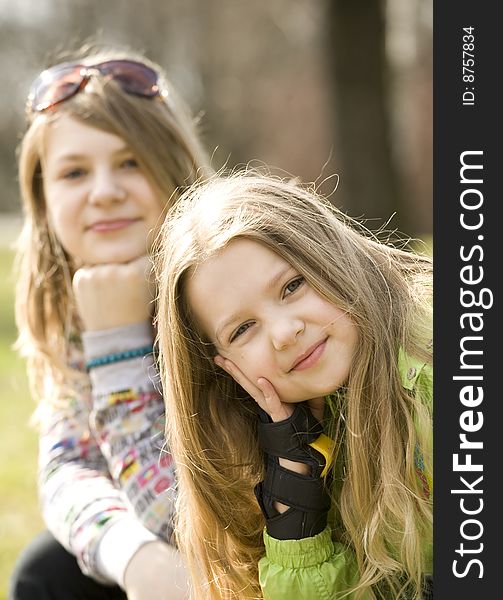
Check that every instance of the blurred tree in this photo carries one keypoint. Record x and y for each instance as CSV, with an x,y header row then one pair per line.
x,y
409,45
310,88
370,183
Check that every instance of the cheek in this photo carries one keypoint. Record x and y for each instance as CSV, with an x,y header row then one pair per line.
x,y
64,228
325,309
317,309
59,224
251,362
331,315
152,200
59,214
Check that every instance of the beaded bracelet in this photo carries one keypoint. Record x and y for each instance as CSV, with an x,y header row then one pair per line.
x,y
107,359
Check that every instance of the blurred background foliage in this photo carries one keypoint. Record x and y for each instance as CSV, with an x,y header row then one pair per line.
x,y
312,87
309,87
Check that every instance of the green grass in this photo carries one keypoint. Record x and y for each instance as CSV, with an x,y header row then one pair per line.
x,y
19,513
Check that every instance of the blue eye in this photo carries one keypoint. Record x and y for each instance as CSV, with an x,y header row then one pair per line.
x,y
240,330
130,163
293,286
73,173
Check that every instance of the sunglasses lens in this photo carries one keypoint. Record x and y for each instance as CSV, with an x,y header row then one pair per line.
x,y
133,77
55,85
64,81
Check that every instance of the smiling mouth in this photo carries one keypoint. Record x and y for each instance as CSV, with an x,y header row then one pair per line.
x,y
310,357
114,225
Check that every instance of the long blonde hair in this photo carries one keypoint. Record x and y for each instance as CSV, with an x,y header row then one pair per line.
x,y
211,426
163,136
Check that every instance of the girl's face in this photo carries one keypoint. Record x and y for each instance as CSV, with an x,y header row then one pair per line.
x,y
100,203
260,313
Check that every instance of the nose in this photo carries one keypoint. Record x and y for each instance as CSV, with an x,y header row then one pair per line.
x,y
106,188
284,332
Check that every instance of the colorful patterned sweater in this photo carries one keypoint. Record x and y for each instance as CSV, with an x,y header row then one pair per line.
x,y
105,486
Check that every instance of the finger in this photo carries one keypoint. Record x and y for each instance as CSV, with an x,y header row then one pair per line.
x,y
277,410
81,276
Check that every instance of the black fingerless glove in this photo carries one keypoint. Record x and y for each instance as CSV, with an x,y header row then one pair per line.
x,y
306,495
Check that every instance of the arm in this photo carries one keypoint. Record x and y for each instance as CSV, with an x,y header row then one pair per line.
x,y
89,512
301,561
107,489
127,420
318,567
314,567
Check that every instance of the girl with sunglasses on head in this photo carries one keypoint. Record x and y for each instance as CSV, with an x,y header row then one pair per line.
x,y
109,147
295,356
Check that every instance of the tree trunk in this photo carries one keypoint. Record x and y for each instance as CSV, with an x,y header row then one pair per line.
x,y
369,182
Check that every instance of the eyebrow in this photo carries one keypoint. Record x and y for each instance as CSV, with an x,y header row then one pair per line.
x,y
270,285
68,157
76,156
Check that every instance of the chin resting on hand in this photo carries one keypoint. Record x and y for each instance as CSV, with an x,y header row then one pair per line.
x,y
114,295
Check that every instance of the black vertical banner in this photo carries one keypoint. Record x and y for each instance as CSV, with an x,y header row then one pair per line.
x,y
468,242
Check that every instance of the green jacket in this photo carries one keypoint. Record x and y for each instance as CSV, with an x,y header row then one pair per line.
x,y
317,568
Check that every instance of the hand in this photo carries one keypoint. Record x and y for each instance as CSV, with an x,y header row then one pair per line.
x,y
156,566
262,391
265,396
114,295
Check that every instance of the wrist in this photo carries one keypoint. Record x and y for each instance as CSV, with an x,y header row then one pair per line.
x,y
296,467
119,545
293,496
115,357
117,339
156,564
131,373
294,506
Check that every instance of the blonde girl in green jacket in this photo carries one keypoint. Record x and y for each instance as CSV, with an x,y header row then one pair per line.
x,y
297,375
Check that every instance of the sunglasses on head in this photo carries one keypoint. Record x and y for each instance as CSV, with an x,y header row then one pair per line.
x,y
61,82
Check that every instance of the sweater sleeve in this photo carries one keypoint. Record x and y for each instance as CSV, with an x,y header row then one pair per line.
x,y
314,568
106,488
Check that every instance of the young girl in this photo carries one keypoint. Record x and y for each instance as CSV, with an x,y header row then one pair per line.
x,y
109,146
273,302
